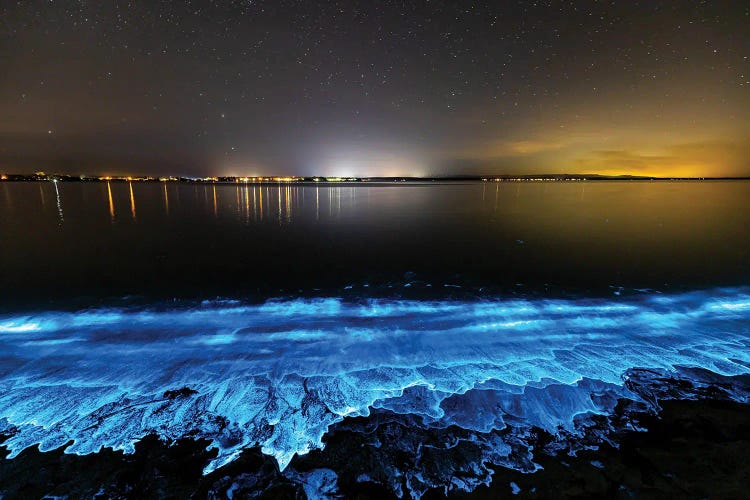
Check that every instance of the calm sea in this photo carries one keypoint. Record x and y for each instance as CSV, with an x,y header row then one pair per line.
x,y
89,242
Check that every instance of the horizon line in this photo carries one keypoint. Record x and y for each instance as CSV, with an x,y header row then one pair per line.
x,y
241,179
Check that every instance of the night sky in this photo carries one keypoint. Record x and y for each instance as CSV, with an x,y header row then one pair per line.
x,y
375,87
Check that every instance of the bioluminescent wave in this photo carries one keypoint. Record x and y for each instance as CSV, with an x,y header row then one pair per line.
x,y
278,375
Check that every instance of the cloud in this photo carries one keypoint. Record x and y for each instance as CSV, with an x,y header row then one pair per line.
x,y
517,148
584,154
693,159
623,160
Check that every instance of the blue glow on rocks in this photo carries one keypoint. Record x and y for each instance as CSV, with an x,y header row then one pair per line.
x,y
279,374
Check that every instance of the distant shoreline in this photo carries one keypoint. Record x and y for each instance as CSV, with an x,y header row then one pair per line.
x,y
43,177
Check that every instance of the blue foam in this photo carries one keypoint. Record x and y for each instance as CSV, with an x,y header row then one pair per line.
x,y
279,374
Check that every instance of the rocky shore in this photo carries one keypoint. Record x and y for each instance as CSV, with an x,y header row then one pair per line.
x,y
693,449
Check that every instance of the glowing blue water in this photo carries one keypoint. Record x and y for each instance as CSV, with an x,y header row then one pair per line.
x,y
279,374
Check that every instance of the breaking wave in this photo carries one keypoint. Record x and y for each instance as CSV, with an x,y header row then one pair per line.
x,y
281,374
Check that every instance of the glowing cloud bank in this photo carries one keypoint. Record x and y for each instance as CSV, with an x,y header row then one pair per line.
x,y
279,374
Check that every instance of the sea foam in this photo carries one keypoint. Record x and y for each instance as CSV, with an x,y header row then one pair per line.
x,y
278,375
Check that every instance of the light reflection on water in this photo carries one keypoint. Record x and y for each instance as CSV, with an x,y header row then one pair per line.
x,y
112,203
132,200
622,205
166,199
59,202
638,234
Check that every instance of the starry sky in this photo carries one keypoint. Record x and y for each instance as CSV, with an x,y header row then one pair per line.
x,y
375,87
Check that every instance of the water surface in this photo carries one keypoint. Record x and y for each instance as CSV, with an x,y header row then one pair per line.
x,y
62,240
445,328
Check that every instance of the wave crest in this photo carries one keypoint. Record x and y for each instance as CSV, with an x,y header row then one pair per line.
x,y
279,375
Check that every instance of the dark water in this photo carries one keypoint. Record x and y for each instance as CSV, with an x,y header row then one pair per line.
x,y
69,240
406,340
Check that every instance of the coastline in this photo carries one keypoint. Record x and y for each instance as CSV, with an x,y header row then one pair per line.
x,y
693,449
